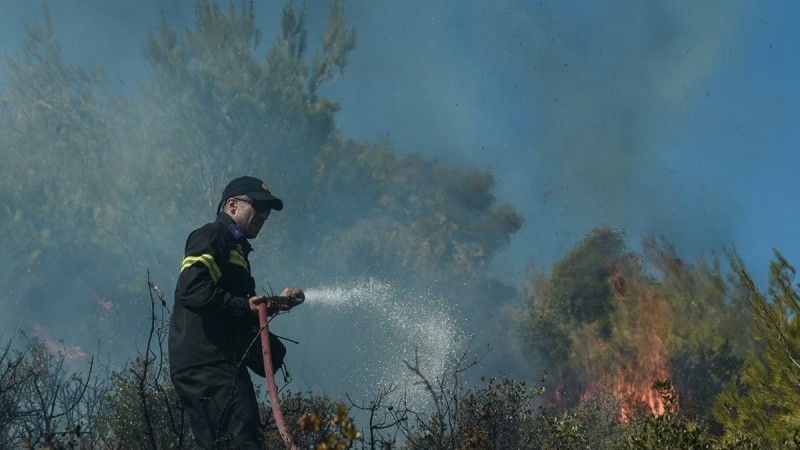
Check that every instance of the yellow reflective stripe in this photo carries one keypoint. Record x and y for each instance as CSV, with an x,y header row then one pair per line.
x,y
208,261
238,259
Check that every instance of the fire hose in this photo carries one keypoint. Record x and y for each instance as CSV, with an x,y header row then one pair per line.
x,y
268,372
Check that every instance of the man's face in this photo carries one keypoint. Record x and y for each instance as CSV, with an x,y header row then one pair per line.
x,y
249,216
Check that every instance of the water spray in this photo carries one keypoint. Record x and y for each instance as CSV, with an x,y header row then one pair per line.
x,y
282,303
361,331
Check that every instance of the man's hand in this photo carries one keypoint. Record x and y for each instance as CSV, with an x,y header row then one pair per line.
x,y
296,294
257,300
288,299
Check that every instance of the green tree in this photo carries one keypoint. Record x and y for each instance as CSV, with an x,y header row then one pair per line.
x,y
573,305
405,215
215,108
763,402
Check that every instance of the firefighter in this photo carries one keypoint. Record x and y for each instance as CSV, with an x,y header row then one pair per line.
x,y
213,334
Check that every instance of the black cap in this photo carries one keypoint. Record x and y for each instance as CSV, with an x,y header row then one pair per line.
x,y
253,188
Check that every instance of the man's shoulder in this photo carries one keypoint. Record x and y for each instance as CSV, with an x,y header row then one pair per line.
x,y
210,237
211,227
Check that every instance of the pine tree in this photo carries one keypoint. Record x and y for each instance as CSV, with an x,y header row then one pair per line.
x,y
763,403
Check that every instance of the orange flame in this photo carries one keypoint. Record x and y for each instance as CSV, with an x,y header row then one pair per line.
x,y
638,359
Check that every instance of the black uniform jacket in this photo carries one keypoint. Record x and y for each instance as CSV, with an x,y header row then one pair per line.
x,y
211,320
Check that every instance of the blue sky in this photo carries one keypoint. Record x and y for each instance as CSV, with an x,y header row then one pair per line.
x,y
673,118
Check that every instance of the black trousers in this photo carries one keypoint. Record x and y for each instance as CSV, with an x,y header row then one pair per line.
x,y
221,405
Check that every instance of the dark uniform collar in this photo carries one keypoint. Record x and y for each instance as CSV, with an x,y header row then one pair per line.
x,y
224,219
235,233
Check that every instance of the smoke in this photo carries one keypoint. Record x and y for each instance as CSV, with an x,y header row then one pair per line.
x,y
635,115
611,87
597,113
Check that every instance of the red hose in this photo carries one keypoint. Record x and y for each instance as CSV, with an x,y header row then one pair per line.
x,y
273,389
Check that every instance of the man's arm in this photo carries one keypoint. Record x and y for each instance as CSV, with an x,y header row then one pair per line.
x,y
199,292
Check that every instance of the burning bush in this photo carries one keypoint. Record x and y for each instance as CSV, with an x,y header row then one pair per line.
x,y
609,320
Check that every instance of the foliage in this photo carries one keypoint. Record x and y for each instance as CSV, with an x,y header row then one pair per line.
x,y
345,430
499,415
668,430
214,107
762,403
137,408
592,424
297,409
406,223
